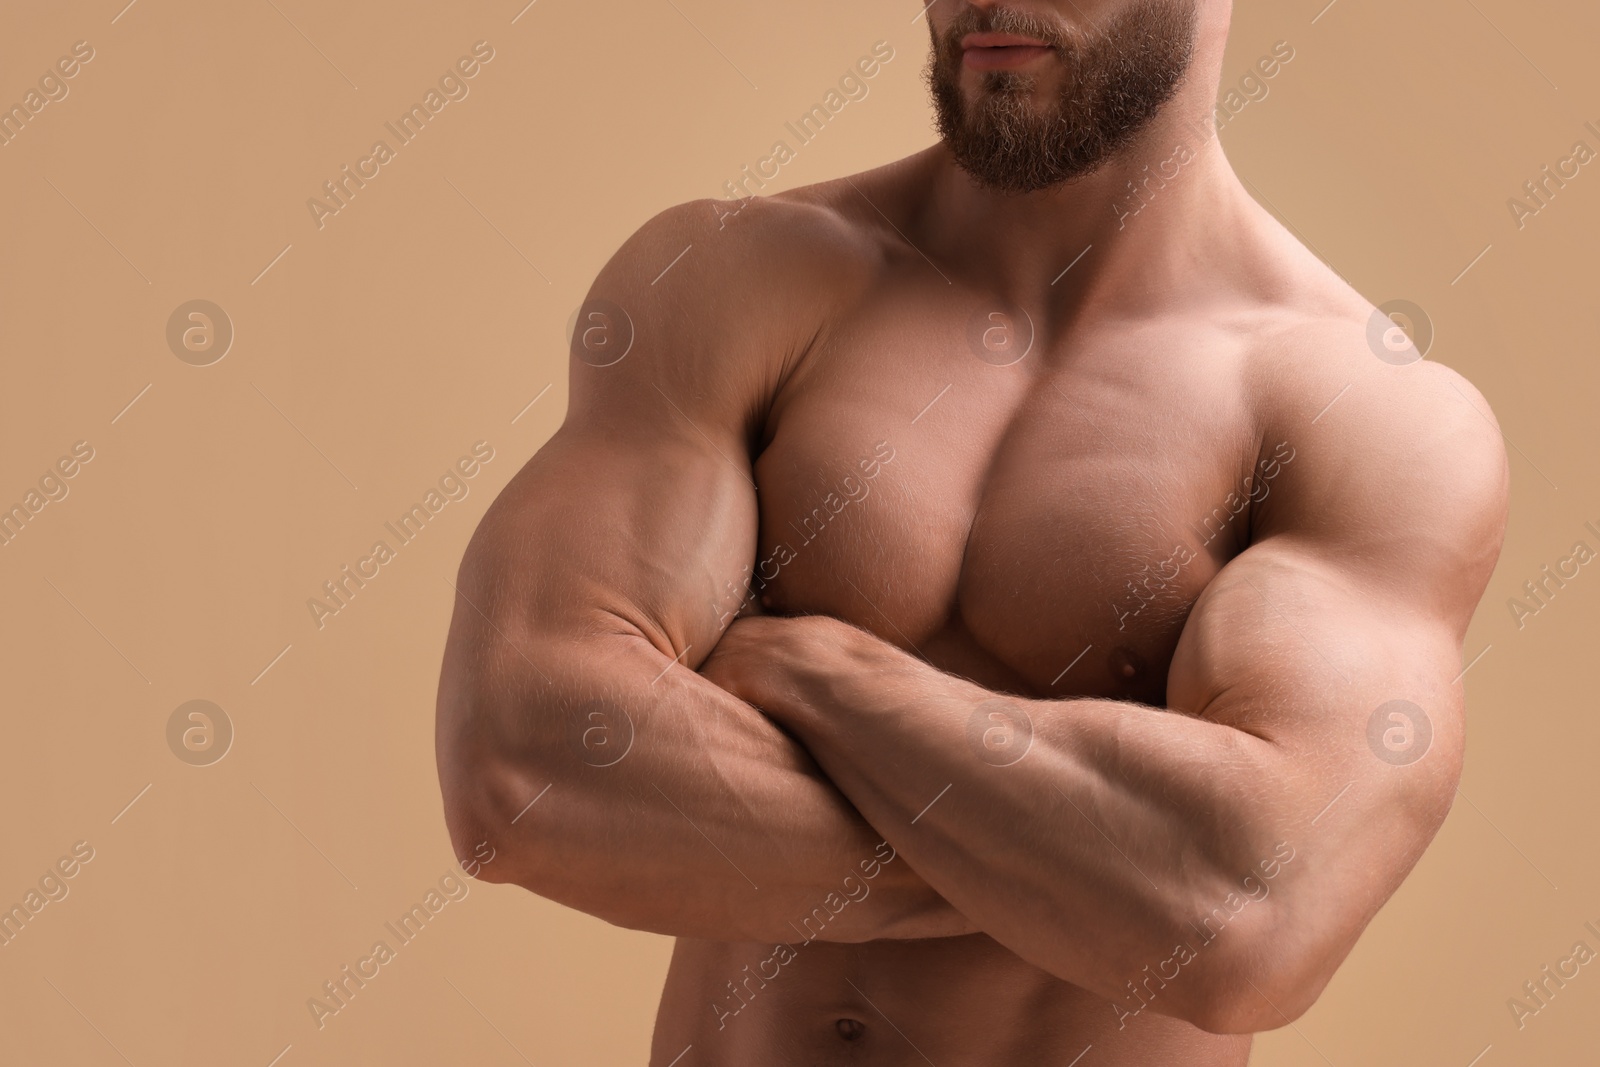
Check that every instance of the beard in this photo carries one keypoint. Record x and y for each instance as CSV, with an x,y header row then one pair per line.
x,y
1115,79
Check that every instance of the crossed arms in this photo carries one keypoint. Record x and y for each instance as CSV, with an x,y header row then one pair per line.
x,y
760,762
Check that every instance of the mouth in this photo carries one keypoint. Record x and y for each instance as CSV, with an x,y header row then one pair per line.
x,y
1001,51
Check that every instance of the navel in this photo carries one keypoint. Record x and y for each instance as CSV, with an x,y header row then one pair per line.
x,y
850,1029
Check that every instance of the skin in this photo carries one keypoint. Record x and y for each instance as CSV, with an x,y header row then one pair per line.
x,y
1049,731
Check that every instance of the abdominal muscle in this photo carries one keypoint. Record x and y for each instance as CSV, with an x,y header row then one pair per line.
x,y
953,1002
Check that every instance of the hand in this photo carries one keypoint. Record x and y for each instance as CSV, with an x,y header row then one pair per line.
x,y
787,667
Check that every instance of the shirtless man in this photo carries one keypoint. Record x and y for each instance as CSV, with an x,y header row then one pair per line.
x,y
984,624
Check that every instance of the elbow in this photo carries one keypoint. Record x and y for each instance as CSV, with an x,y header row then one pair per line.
x,y
486,781
514,809
481,835
1254,952
1245,1007
1248,965
497,735
516,758
498,818
1261,982
498,837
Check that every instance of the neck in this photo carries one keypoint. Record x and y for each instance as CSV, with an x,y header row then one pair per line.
x,y
1134,229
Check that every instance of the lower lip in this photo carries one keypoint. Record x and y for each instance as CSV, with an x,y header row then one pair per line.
x,y
1003,58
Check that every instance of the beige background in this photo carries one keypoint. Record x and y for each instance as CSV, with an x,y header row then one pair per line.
x,y
427,315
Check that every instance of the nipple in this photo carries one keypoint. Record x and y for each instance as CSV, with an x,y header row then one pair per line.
x,y
1125,663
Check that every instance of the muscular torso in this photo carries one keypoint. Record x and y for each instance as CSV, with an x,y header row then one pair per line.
x,y
1042,527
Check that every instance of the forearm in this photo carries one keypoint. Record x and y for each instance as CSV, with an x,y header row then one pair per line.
x,y
660,802
1091,845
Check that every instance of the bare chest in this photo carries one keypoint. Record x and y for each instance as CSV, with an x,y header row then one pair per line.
x,y
1042,529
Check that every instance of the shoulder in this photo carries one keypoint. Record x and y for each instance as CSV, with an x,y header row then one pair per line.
x,y
825,239
829,236
720,297
758,245
1396,465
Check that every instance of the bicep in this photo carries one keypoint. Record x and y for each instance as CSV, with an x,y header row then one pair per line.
x,y
1357,704
648,531
1287,646
592,573
641,511
1336,638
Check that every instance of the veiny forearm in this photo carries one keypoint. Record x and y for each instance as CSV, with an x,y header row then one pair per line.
x,y
1091,855
660,802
